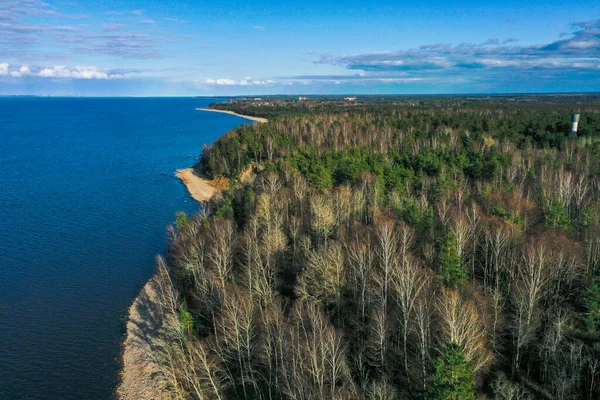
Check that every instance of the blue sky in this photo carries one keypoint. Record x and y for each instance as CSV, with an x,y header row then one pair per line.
x,y
147,48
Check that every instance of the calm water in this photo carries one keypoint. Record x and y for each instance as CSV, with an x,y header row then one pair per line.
x,y
87,188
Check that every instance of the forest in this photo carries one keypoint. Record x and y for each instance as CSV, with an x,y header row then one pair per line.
x,y
433,248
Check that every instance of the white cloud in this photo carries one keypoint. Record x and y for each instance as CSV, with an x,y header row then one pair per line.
x,y
61,71
23,71
583,44
580,50
174,20
248,81
221,81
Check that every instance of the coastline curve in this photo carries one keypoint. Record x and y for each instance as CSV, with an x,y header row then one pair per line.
x,y
255,119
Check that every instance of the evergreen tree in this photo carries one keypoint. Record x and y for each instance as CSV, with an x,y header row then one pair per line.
x,y
592,317
181,219
556,215
186,319
451,268
453,376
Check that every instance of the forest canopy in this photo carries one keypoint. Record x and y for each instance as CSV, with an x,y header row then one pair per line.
x,y
391,249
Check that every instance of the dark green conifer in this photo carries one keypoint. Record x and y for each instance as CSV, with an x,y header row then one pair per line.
x,y
592,317
451,269
453,376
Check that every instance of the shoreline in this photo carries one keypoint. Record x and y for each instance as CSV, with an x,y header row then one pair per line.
x,y
255,119
200,189
140,376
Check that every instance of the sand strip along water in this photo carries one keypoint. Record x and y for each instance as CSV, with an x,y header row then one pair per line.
x,y
200,189
255,119
141,376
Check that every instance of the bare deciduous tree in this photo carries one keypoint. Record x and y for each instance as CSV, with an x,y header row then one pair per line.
x,y
323,277
526,297
322,217
507,390
221,250
387,254
461,324
236,332
360,261
423,316
409,282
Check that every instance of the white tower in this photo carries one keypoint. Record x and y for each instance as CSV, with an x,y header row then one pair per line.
x,y
575,124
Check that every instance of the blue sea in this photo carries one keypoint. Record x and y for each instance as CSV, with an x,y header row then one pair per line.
x,y
87,189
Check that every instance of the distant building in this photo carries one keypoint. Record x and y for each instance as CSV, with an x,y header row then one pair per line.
x,y
302,98
350,98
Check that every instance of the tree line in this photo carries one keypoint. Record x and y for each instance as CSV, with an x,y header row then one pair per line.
x,y
390,253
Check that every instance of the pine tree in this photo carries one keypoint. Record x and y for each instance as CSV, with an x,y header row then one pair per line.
x,y
181,219
453,376
556,215
592,317
451,268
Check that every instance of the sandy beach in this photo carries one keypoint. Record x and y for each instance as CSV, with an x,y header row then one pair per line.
x,y
255,119
200,189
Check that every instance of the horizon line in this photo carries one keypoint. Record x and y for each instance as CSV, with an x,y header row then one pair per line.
x,y
316,95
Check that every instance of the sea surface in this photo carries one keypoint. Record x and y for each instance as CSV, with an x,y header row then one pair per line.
x,y
87,189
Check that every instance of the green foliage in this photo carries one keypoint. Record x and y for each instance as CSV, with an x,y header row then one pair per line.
x,y
242,205
347,166
181,219
429,161
541,127
589,216
421,220
595,149
205,222
225,209
556,215
452,271
453,376
511,215
319,176
592,305
396,162
499,211
186,319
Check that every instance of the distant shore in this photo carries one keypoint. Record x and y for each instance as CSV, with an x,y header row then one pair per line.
x,y
256,119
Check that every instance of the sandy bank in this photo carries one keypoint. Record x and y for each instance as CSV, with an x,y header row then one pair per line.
x,y
141,377
201,189
256,119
